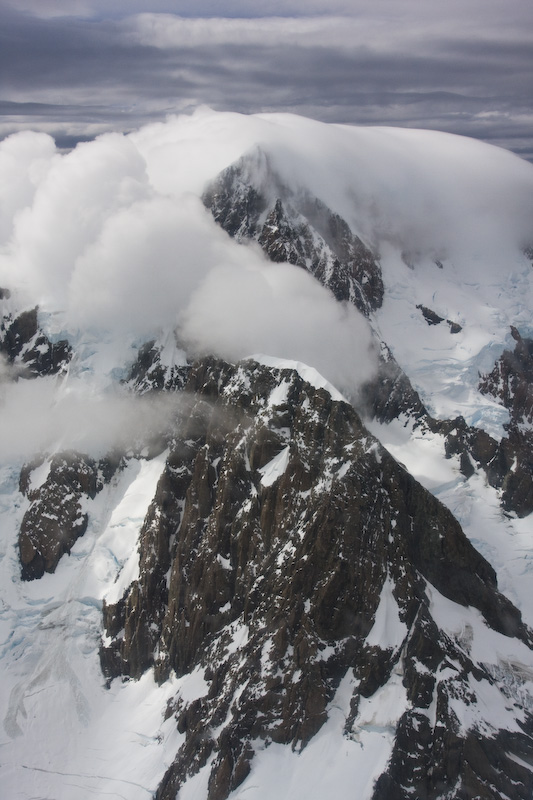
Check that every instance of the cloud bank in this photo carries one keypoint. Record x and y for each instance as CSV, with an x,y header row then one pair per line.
x,y
80,67
114,235
114,245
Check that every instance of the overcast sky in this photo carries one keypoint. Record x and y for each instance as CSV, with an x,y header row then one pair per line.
x,y
75,68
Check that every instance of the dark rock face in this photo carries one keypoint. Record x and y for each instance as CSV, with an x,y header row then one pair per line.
x,y
236,204
25,345
277,525
149,375
55,519
511,383
470,766
249,201
432,318
390,394
507,464
511,380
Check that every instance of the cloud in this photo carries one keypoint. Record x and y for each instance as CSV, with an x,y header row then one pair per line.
x,y
410,64
369,30
72,198
93,237
189,8
23,159
278,310
144,266
7,372
115,230
171,32
113,243
474,12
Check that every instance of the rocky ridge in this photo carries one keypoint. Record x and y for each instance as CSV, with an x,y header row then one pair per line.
x,y
280,538
279,529
249,597
511,383
250,202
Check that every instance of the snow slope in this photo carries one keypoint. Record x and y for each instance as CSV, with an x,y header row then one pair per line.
x,y
64,734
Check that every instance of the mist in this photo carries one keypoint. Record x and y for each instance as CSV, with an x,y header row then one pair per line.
x,y
38,416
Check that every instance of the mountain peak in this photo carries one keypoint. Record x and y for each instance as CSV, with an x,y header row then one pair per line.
x,y
301,573
286,554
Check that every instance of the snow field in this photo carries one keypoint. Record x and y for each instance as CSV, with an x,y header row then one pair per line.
x,y
64,734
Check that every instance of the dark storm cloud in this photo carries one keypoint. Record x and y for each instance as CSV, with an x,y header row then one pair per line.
x,y
408,64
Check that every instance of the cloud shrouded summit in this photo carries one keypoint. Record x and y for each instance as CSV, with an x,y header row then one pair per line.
x,y
116,227
112,239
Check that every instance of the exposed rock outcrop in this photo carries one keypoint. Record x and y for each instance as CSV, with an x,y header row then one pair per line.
x,y
432,318
148,374
511,383
507,463
249,201
25,345
511,380
55,518
390,394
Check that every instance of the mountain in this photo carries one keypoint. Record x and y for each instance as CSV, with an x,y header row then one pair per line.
x,y
266,473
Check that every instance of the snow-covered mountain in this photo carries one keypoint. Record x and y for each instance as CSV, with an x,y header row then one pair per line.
x,y
266,472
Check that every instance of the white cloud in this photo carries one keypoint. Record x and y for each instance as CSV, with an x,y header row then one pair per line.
x,y
24,159
144,265
377,28
426,191
168,31
75,68
278,310
72,200
109,235
114,236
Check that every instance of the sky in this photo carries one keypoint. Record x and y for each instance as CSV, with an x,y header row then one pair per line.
x,y
77,68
